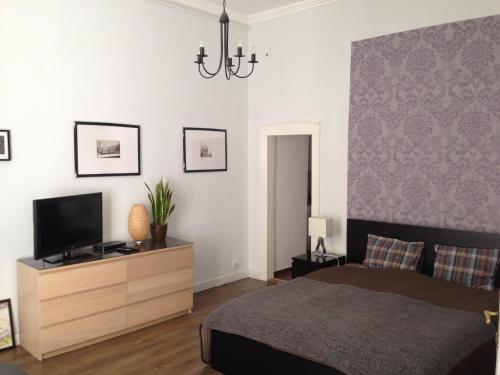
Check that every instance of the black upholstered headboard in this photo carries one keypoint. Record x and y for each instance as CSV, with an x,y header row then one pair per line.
x,y
358,230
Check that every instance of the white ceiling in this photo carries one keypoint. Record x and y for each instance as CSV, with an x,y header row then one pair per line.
x,y
250,11
251,7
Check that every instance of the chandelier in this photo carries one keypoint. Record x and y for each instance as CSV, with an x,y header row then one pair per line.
x,y
230,68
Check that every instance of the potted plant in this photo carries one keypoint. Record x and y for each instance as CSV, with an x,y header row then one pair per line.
x,y
161,207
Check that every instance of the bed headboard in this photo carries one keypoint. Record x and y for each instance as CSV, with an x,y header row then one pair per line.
x,y
358,230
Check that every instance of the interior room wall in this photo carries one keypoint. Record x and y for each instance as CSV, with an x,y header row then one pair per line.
x,y
424,128
304,75
121,61
290,158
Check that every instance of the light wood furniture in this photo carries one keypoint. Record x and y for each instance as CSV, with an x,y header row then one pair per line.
x,y
65,308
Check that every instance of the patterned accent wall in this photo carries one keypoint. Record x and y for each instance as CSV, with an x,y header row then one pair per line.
x,y
424,127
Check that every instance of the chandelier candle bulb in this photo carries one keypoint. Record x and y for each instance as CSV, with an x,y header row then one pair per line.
x,y
202,50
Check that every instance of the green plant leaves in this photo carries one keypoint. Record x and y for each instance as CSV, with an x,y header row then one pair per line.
x,y
161,202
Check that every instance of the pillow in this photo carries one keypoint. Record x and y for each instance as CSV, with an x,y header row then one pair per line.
x,y
392,253
475,268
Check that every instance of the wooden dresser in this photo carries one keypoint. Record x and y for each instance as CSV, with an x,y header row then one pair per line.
x,y
63,308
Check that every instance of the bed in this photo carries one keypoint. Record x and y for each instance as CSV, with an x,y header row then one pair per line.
x,y
432,305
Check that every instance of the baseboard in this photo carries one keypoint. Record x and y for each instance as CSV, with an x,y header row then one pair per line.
x,y
218,281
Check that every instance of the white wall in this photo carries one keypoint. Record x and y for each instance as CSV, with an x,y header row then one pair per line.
x,y
124,61
306,77
291,157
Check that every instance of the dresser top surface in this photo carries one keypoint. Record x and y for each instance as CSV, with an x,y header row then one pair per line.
x,y
147,247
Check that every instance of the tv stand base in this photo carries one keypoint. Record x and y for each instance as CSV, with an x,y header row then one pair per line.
x,y
67,258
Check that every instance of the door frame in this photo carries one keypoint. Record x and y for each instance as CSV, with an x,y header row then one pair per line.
x,y
284,128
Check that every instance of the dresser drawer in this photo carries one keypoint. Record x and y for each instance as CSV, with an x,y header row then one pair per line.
x,y
161,307
81,330
155,264
75,280
74,306
159,285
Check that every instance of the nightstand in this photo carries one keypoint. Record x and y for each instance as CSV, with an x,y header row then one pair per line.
x,y
306,263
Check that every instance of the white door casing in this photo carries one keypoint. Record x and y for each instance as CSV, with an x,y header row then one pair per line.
x,y
284,128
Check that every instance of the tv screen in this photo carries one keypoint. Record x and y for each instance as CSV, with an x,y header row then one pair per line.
x,y
66,223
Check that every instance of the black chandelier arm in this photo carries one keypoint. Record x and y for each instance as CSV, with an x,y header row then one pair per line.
x,y
201,73
235,72
248,75
207,72
228,73
228,69
222,27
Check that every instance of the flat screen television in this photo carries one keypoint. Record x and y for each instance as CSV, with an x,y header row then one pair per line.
x,y
64,224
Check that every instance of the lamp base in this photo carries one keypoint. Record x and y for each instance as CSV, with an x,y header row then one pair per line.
x,y
320,244
319,254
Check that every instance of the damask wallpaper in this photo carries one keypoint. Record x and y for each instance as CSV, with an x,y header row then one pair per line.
x,y
424,127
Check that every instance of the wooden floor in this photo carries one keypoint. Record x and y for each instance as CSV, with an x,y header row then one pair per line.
x,y
168,348
285,275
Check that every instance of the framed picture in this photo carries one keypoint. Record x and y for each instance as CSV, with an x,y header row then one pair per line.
x,y
5,151
103,149
7,336
205,150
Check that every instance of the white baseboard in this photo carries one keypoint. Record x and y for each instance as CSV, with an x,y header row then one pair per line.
x,y
218,281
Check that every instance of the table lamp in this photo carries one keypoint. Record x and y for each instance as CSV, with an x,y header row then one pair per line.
x,y
322,228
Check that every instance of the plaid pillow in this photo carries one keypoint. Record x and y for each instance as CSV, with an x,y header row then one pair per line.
x,y
391,253
475,268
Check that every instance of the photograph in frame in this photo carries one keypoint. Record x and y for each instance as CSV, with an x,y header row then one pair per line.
x,y
104,149
5,148
205,150
7,335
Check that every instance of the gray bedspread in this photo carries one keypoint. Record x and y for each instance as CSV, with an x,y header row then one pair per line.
x,y
354,330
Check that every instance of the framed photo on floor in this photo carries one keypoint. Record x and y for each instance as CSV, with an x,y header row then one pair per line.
x,y
7,336
205,150
103,149
5,152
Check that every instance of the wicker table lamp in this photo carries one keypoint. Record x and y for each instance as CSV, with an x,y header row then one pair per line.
x,y
138,223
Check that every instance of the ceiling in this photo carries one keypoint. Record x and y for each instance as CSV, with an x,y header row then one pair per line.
x,y
250,11
251,7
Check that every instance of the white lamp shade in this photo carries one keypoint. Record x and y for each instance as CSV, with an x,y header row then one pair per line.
x,y
320,227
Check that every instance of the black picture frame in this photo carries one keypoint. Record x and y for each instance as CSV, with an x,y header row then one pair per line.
x,y
9,147
186,170
106,124
11,323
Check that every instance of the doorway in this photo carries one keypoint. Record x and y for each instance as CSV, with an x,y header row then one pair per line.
x,y
270,222
289,204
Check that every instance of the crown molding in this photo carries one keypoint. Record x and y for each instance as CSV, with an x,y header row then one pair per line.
x,y
204,7
287,9
212,10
